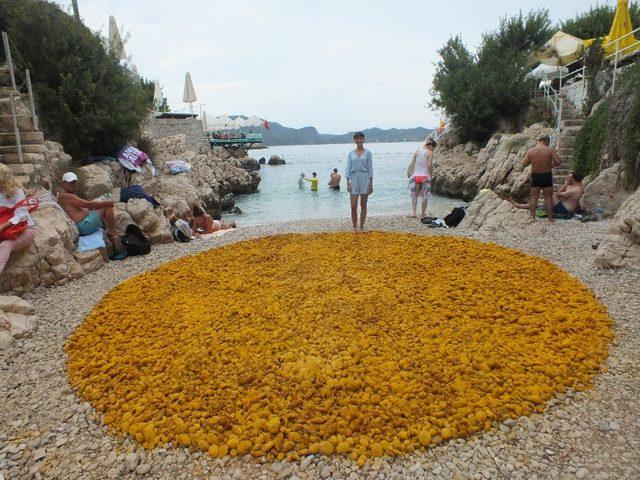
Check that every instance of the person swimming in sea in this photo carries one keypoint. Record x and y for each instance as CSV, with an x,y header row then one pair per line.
x,y
314,181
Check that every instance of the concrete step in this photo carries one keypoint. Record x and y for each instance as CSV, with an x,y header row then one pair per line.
x,y
6,90
567,142
565,152
13,158
25,123
571,131
37,148
4,76
573,122
27,138
21,106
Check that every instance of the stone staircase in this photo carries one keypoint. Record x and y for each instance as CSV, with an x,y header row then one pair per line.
x,y
572,122
33,149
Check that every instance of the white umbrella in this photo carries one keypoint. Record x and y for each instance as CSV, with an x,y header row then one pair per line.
x,y
548,72
239,122
225,122
205,127
115,41
189,95
253,122
561,49
158,96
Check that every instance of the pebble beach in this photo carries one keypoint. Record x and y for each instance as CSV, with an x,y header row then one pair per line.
x,y
46,431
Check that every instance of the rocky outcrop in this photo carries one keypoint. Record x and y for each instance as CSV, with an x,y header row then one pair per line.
x,y
606,190
249,164
462,170
17,320
49,259
488,212
276,160
621,247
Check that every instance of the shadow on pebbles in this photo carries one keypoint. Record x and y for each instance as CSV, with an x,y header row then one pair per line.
x,y
46,432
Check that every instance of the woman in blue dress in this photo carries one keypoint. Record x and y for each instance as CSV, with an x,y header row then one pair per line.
x,y
359,173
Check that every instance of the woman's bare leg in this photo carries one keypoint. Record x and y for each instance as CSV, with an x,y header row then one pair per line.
x,y
363,210
354,211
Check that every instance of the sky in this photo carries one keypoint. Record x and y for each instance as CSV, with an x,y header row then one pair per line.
x,y
336,65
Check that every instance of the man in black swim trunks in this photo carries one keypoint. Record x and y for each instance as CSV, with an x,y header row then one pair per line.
x,y
334,182
542,159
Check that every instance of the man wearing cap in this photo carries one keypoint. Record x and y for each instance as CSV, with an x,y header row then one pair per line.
x,y
88,215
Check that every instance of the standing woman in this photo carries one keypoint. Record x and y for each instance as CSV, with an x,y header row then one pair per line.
x,y
10,194
419,173
359,173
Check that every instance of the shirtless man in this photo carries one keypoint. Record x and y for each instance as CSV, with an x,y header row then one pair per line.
x,y
334,182
566,200
88,215
542,159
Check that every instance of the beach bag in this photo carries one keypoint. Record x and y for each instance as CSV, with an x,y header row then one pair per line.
x,y
181,231
134,241
7,213
455,217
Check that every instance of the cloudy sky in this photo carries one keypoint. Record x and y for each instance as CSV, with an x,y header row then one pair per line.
x,y
336,65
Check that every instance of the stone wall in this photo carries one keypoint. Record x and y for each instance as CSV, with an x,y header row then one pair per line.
x,y
191,128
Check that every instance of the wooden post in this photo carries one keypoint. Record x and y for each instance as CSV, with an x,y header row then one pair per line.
x,y
16,130
7,52
31,104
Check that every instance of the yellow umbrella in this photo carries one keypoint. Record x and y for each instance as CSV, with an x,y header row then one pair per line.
x,y
619,37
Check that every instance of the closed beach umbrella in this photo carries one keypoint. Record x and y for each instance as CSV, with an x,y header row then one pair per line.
x,y
158,97
189,95
115,42
620,30
205,126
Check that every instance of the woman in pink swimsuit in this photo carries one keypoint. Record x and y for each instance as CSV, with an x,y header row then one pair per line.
x,y
419,174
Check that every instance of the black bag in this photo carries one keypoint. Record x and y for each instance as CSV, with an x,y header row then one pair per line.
x,y
455,217
134,241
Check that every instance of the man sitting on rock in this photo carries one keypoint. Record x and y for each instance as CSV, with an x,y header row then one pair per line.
x,y
566,201
88,215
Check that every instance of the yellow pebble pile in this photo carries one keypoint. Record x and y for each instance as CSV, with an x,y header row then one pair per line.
x,y
357,344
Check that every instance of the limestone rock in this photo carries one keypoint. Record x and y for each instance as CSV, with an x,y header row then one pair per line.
x,y
606,190
94,180
17,319
153,223
488,212
89,261
276,160
49,259
249,164
463,170
621,247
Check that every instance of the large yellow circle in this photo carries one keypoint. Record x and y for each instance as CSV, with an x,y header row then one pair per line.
x,y
359,344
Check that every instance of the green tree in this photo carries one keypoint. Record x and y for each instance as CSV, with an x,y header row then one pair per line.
x,y
86,100
596,22
479,92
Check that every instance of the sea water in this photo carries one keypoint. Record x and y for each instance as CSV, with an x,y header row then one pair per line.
x,y
279,199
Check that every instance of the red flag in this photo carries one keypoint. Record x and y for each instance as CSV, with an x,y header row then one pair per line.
x,y
265,124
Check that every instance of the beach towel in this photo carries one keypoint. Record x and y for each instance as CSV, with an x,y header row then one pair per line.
x,y
132,159
136,191
178,166
93,241
218,233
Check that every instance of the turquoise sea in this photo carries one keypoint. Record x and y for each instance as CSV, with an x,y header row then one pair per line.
x,y
280,200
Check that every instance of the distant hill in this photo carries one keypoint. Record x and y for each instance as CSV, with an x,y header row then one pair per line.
x,y
281,135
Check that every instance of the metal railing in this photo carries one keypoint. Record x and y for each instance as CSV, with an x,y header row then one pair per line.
x,y
619,54
15,92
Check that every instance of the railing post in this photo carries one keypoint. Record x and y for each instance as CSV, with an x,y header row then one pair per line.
x,y
615,67
7,52
31,104
16,130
